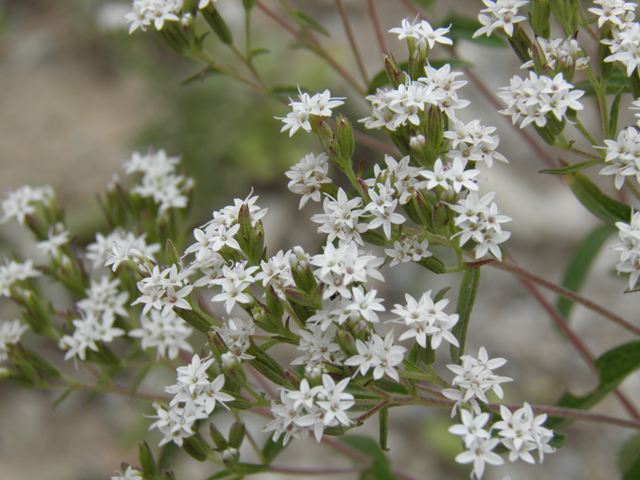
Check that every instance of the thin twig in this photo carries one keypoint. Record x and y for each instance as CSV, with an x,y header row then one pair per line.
x,y
313,471
376,26
539,409
310,40
352,40
521,272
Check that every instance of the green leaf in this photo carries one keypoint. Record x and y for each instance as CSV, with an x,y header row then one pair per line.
x,y
629,459
63,397
195,318
579,266
615,113
383,421
466,299
249,468
306,21
380,468
440,295
147,462
602,206
463,27
614,366
256,52
226,474
576,167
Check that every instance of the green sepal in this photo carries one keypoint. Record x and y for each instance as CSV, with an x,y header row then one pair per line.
x,y
304,279
267,366
545,134
634,83
257,250
394,73
236,434
217,23
195,318
557,8
172,254
240,402
244,232
218,439
605,68
334,431
196,447
346,139
435,127
147,462
300,297
374,238
433,263
274,304
271,449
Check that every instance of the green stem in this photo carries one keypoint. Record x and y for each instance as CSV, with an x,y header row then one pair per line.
x,y
585,133
352,41
601,92
633,189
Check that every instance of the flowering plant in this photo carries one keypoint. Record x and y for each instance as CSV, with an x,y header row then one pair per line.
x,y
141,290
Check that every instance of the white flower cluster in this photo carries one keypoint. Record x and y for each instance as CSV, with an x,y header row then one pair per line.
x,y
97,316
195,397
339,268
409,248
629,249
115,243
534,97
426,321
623,153
10,333
521,432
559,53
12,272
475,378
479,220
473,142
308,176
22,202
57,237
625,44
167,333
405,179
502,14
423,32
146,12
159,180
319,348
234,281
217,234
236,334
310,409
392,108
276,271
319,104
164,289
379,354
129,474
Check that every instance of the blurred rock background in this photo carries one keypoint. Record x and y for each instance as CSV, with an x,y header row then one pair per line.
x,y
78,94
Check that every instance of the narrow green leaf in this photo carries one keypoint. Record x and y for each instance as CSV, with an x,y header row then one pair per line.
x,y
615,113
598,203
201,75
380,468
249,468
463,27
440,295
196,447
167,456
582,259
466,299
617,80
147,462
256,52
194,318
614,366
306,21
576,167
63,397
629,459
226,474
383,421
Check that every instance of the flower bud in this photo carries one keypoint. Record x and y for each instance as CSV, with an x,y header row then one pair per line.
x,y
147,462
303,275
347,343
345,137
441,216
545,133
394,73
217,23
230,457
233,369
218,439
236,434
196,447
267,321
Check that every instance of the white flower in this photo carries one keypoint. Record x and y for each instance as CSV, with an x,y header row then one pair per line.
x,y
22,202
10,333
502,14
319,104
480,452
129,474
